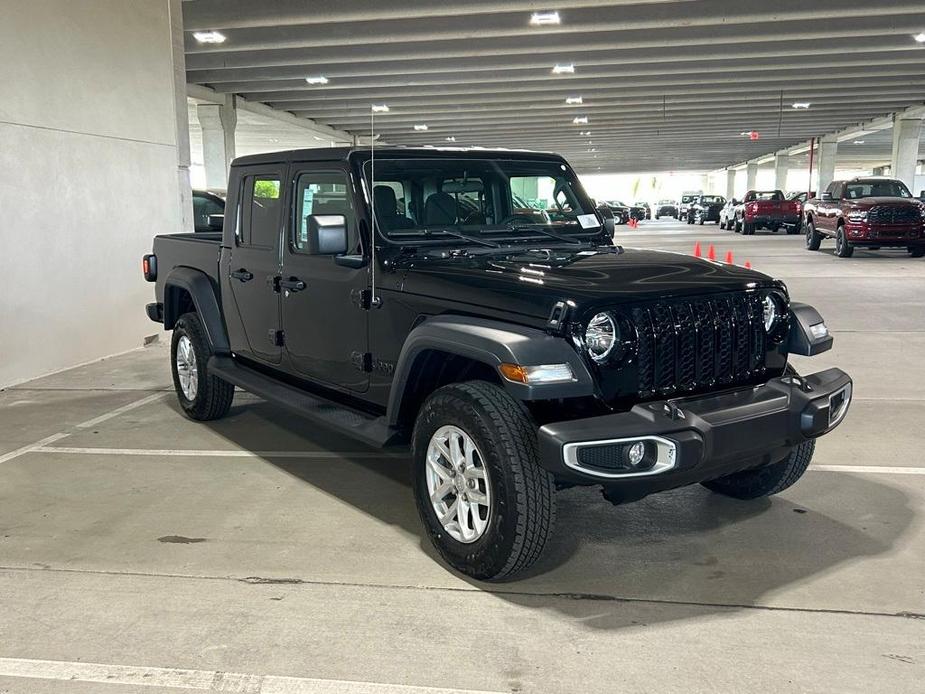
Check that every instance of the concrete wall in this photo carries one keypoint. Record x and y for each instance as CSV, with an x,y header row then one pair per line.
x,y
88,163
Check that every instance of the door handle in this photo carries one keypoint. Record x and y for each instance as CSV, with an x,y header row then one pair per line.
x,y
293,284
242,275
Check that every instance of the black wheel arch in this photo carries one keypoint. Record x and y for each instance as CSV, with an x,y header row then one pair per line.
x,y
188,289
447,349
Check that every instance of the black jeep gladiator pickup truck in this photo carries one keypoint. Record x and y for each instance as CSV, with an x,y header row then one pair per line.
x,y
409,299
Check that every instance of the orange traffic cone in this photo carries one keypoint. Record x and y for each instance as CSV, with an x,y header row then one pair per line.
x,y
728,257
711,253
748,265
697,252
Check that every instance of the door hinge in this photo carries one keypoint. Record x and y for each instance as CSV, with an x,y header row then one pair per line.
x,y
276,337
362,361
361,298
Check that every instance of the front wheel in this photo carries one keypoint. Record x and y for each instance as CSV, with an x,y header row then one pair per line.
x,y
843,249
768,480
916,251
486,504
202,396
748,228
737,225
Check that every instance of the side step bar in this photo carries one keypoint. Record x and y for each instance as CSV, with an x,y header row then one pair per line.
x,y
371,430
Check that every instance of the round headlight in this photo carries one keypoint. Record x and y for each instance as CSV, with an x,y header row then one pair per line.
x,y
600,336
770,313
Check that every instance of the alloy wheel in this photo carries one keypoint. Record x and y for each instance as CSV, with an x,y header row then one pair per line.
x,y
187,372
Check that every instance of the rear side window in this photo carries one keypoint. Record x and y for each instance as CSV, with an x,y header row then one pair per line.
x,y
260,221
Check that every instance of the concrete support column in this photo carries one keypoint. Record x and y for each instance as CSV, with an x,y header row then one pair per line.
x,y
730,184
906,132
218,123
828,151
181,111
751,175
781,169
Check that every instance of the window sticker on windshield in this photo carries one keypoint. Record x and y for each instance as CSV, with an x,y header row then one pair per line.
x,y
588,220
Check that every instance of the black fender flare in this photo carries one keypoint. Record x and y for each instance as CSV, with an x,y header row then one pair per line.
x,y
205,299
492,343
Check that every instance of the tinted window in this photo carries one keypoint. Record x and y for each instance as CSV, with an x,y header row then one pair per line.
x,y
712,199
260,218
203,206
876,189
321,193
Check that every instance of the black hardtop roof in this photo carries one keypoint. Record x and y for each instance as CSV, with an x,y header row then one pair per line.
x,y
363,153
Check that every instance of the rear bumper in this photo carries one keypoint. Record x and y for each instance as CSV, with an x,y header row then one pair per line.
x,y
711,436
155,312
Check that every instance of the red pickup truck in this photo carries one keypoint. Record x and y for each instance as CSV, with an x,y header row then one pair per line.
x,y
767,209
869,212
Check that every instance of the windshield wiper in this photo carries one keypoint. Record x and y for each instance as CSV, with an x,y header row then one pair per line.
x,y
546,232
430,233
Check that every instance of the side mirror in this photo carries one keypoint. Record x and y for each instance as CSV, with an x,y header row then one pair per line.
x,y
327,234
826,197
216,222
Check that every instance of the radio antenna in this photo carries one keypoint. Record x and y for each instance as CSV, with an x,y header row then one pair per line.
x,y
373,296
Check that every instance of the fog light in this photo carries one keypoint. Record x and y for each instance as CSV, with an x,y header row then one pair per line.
x,y
636,453
819,330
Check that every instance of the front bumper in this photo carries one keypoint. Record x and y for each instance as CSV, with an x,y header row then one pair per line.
x,y
884,235
710,436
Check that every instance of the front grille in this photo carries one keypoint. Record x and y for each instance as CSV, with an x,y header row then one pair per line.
x,y
894,214
697,344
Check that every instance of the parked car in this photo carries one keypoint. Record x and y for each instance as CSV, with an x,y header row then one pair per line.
x,y
727,215
508,358
621,212
627,212
767,209
645,206
666,208
685,202
705,208
208,211
867,212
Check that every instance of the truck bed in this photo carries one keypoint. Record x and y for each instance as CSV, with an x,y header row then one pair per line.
x,y
196,250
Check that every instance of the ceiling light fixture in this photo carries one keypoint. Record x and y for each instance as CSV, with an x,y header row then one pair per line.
x,y
580,120
573,100
317,79
420,127
858,142
540,19
801,104
380,108
920,37
209,36
451,138
563,69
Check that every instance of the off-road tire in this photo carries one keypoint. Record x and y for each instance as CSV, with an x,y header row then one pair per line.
x,y
213,395
522,511
843,249
916,251
813,237
737,226
767,480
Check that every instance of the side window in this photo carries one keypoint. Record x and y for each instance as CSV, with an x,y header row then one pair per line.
x,y
830,189
322,193
204,206
260,211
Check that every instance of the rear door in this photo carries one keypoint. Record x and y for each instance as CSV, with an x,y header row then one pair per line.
x,y
324,321
827,210
252,265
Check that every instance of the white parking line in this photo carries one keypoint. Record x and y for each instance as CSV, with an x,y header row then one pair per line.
x,y
210,453
882,469
205,680
83,425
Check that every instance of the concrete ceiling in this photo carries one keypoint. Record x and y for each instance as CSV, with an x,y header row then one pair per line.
x,y
665,85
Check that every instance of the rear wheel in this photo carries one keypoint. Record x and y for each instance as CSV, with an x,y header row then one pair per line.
x,y
486,504
813,237
843,249
702,220
916,251
770,479
202,395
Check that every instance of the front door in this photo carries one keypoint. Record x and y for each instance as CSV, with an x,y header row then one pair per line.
x,y
324,322
251,266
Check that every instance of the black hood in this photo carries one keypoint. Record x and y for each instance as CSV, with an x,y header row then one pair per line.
x,y
531,282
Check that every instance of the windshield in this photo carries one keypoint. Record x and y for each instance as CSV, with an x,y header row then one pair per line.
x,y
474,196
773,195
876,189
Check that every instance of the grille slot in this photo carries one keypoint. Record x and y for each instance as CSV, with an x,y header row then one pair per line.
x,y
697,344
894,214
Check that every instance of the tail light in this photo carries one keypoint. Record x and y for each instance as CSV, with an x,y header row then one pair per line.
x,y
149,267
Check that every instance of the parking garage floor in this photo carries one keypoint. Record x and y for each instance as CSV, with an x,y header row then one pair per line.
x,y
141,551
